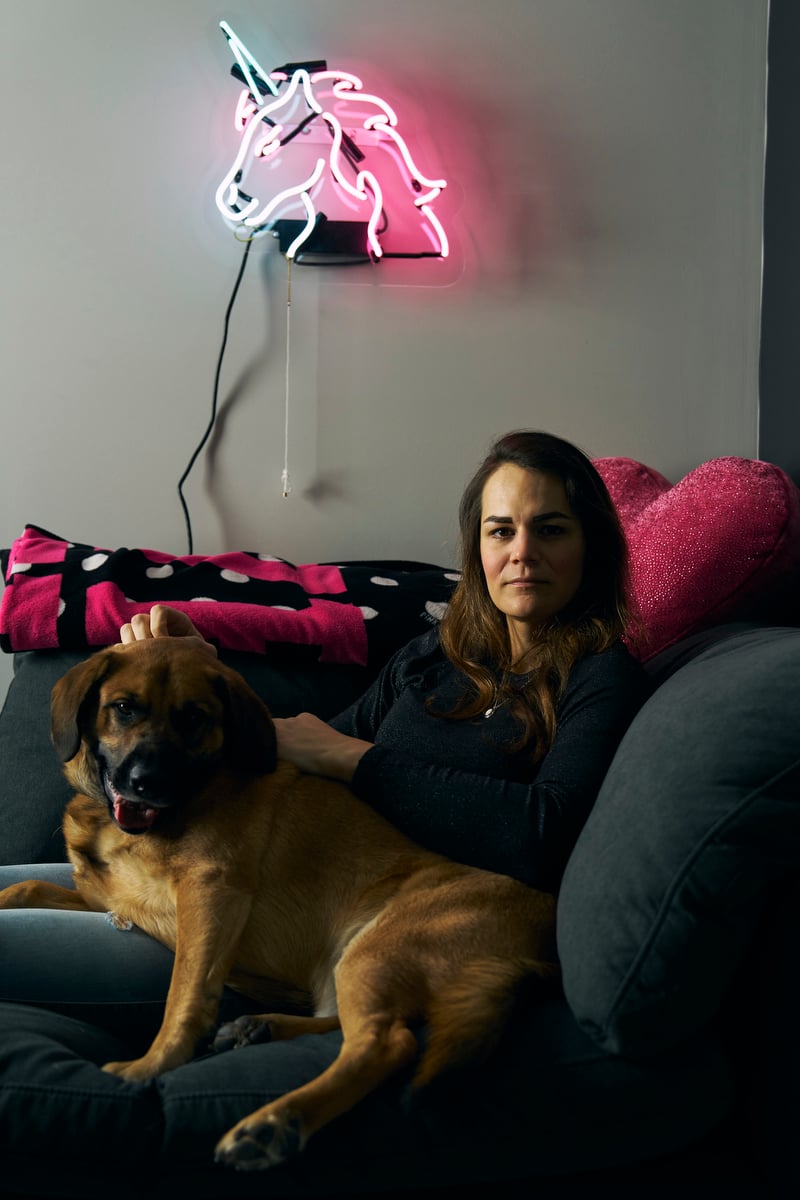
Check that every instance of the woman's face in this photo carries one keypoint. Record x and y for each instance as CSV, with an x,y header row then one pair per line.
x,y
532,549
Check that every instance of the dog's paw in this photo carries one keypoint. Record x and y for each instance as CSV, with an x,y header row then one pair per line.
x,y
244,1031
118,922
136,1071
259,1141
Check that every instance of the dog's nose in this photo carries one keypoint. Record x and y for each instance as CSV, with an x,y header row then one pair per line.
x,y
142,781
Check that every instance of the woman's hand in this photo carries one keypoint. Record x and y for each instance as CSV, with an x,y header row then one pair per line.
x,y
162,621
314,747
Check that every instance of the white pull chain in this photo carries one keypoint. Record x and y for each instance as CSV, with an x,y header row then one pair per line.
x,y
287,487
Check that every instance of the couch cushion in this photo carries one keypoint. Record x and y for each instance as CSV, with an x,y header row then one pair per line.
x,y
722,544
550,1102
699,816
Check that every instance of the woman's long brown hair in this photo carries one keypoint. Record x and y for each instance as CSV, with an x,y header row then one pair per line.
x,y
474,633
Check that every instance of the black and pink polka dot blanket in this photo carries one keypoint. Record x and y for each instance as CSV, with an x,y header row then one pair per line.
x,y
70,595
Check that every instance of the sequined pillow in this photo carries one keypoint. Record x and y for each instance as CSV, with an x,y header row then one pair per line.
x,y
723,544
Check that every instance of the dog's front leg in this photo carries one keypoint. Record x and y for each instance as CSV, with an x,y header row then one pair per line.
x,y
210,921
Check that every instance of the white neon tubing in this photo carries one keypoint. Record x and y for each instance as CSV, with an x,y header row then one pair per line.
x,y
343,91
344,76
226,206
227,185
308,91
309,227
244,111
287,194
333,157
269,144
294,83
365,183
367,178
345,86
242,56
444,244
376,124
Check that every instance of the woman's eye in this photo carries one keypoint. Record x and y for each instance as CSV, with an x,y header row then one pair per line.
x,y
501,532
551,531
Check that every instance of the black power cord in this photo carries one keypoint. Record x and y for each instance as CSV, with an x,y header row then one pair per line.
x,y
215,398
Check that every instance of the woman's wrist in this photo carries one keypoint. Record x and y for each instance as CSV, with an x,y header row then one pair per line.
x,y
342,761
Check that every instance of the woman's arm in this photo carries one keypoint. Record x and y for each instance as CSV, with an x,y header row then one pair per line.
x,y
336,748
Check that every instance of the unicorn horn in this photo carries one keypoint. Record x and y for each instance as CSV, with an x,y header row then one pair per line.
x,y
256,77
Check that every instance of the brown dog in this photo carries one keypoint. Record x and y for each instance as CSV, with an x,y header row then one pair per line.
x,y
279,883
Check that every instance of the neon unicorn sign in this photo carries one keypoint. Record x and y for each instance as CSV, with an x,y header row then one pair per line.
x,y
327,111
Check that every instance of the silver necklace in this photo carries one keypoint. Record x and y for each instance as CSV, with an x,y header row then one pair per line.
x,y
496,703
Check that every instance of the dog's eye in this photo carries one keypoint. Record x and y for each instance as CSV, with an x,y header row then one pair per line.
x,y
124,709
190,719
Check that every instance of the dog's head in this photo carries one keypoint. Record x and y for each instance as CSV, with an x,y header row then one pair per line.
x,y
144,726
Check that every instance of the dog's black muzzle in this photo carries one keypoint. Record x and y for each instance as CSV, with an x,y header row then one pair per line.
x,y
148,783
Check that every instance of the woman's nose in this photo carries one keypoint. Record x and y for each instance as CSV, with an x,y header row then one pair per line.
x,y
524,548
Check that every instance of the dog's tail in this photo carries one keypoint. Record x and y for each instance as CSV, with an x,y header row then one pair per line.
x,y
467,1017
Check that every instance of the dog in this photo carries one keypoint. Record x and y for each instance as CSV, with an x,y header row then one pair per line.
x,y
281,884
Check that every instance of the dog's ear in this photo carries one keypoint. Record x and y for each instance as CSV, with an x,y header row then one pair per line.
x,y
250,742
72,700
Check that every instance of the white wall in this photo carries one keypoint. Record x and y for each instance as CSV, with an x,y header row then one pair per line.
x,y
605,165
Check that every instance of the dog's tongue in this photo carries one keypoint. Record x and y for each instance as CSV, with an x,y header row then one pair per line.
x,y
133,816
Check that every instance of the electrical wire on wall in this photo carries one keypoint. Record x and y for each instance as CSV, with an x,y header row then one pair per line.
x,y
215,396
286,485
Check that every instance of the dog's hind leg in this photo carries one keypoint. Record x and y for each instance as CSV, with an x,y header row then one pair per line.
x,y
268,1027
377,1044
467,1014
35,893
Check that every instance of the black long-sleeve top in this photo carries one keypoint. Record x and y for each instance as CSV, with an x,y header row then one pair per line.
x,y
456,787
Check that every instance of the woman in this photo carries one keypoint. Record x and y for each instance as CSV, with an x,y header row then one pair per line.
x,y
485,740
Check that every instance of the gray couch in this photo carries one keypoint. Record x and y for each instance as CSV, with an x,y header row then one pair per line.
x,y
669,1062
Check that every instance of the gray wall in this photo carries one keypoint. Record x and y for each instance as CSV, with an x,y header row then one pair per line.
x,y
779,410
605,160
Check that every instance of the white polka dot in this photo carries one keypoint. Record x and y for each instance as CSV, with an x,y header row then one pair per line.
x,y
163,572
234,577
381,582
368,613
61,607
203,600
269,558
94,561
283,607
435,609
18,567
455,575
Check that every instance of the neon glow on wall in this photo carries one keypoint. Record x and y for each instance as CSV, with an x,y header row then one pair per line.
x,y
355,138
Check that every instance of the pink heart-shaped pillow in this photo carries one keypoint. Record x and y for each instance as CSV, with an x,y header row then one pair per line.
x,y
723,544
